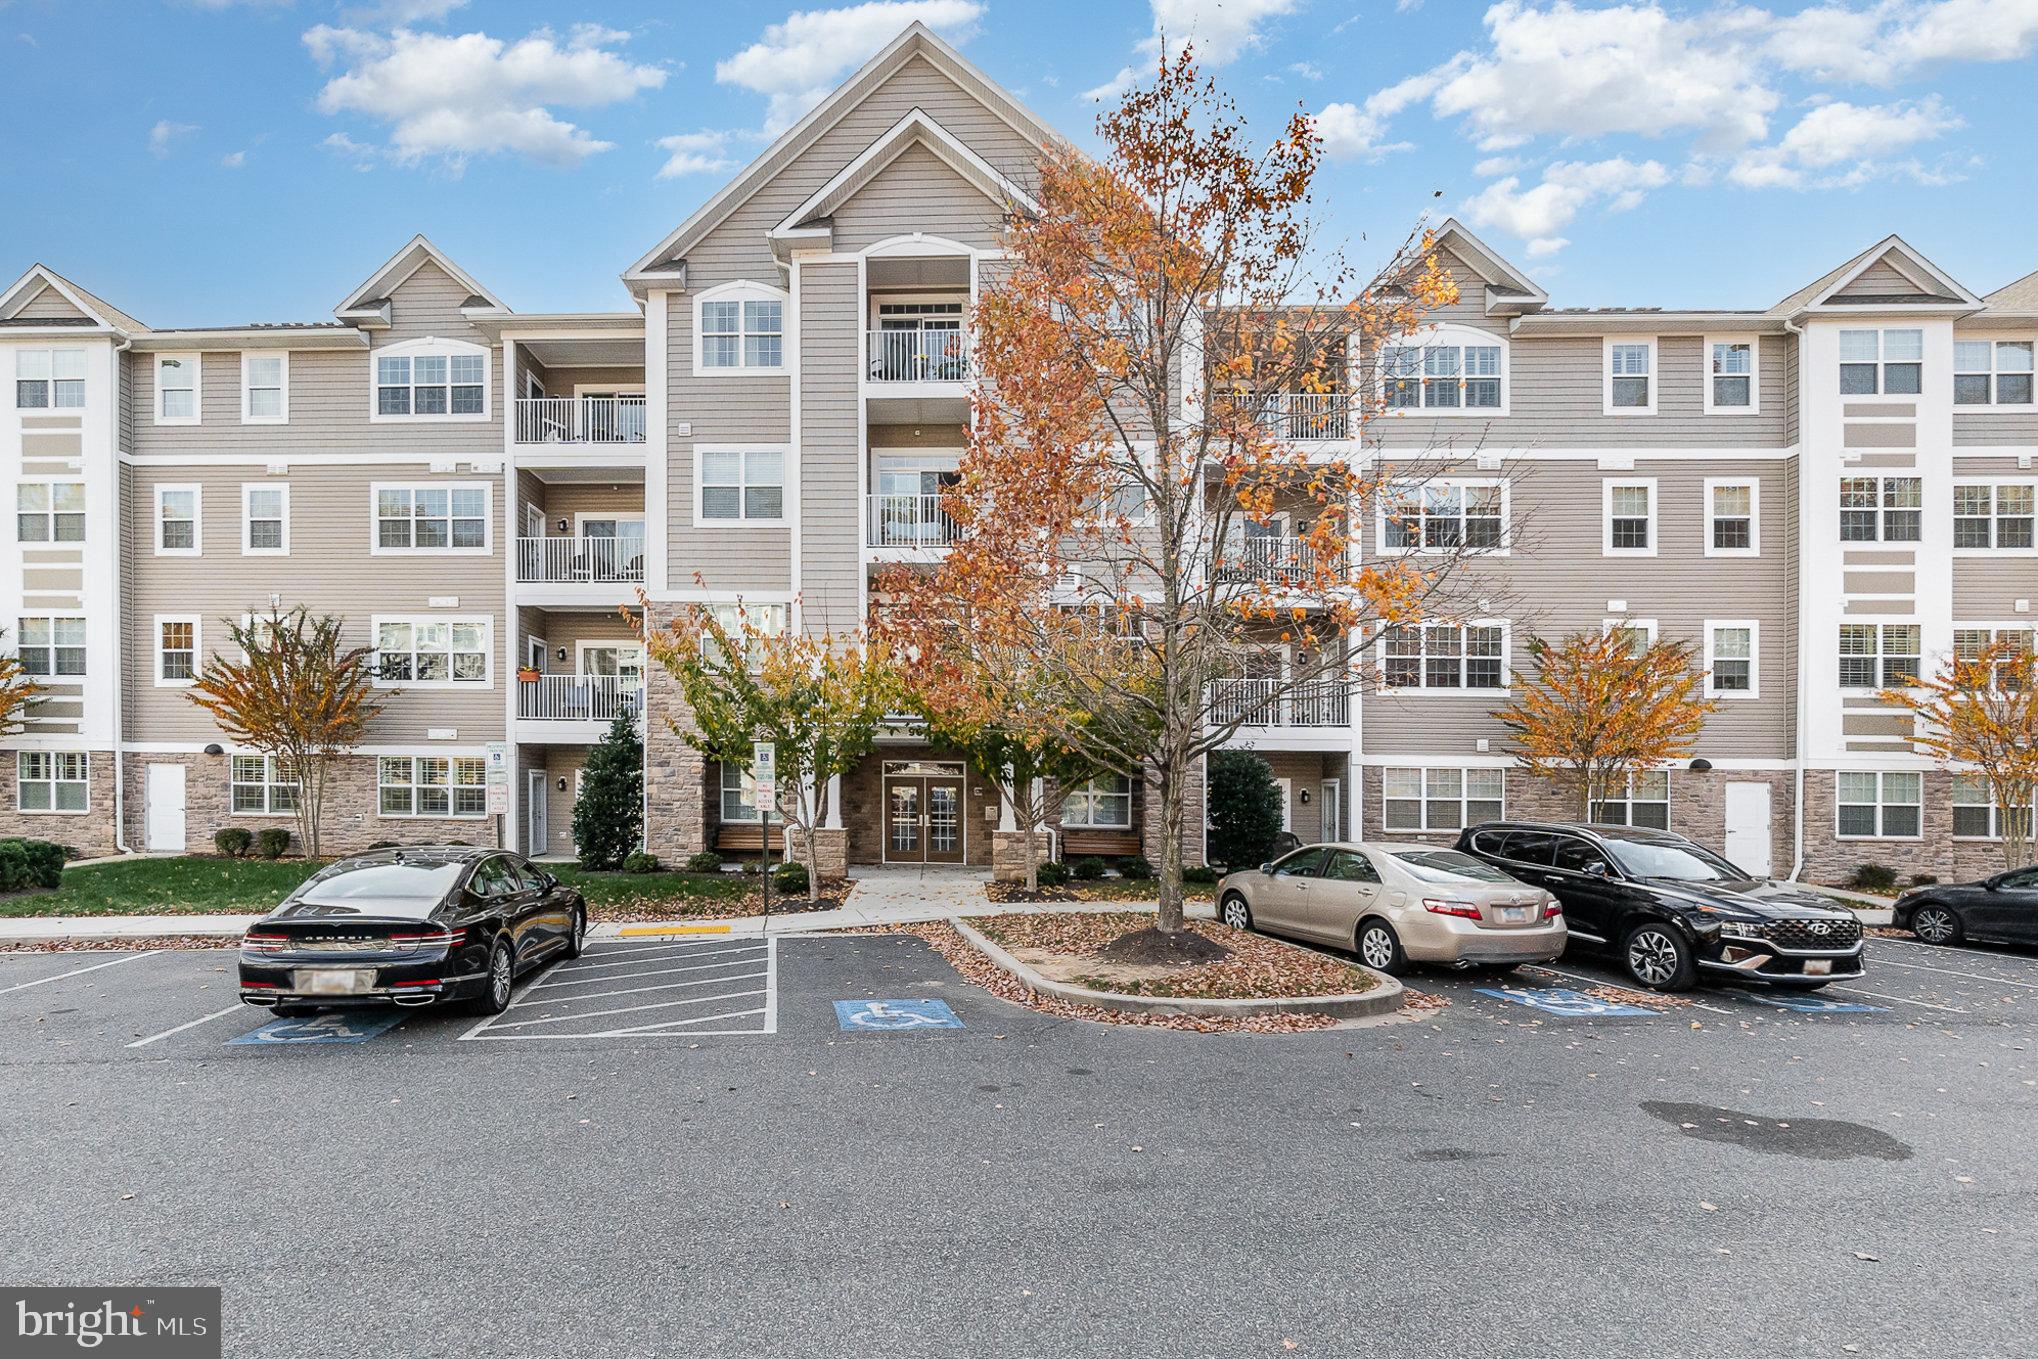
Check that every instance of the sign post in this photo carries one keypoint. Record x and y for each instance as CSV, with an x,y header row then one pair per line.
x,y
764,774
498,787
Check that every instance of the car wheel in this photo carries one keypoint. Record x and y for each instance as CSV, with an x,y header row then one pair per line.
x,y
1495,969
500,981
1379,947
1658,958
292,1011
1235,912
1935,925
576,939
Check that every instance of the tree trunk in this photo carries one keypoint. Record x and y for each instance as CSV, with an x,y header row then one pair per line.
x,y
1168,783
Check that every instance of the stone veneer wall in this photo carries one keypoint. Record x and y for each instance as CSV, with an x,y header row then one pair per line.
x,y
863,805
89,832
1829,859
679,805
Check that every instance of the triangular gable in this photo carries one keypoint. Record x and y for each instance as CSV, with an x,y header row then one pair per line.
x,y
369,304
661,263
29,292
1507,288
917,128
1888,273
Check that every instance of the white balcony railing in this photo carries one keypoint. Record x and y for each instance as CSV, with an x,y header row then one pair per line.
x,y
1260,703
574,561
578,698
909,521
1305,415
919,355
1274,558
580,420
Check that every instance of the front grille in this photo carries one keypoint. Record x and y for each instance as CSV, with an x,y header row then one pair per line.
x,y
1815,934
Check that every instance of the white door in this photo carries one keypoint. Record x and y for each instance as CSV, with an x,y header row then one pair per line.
x,y
164,808
1748,827
1333,820
535,800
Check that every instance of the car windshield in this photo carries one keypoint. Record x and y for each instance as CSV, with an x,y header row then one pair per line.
x,y
1667,859
406,889
1447,865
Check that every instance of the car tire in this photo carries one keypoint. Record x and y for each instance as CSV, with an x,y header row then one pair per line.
x,y
498,982
1495,969
1235,911
1935,924
1379,947
1657,957
292,1011
576,938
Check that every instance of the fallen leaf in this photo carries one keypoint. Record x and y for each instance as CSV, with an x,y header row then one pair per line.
x,y
1709,1207
1864,1255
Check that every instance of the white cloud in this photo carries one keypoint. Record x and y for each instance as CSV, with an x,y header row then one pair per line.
x,y
1112,88
1894,38
1839,145
399,13
1353,130
1543,247
1220,31
465,95
234,160
164,133
1308,70
1540,213
797,62
695,153
362,156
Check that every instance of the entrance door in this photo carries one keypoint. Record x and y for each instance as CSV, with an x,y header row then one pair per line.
x,y
924,822
534,799
1748,836
1333,795
164,808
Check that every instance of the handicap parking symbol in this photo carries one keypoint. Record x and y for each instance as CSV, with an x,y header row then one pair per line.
x,y
356,1027
1561,1000
894,1016
1816,1005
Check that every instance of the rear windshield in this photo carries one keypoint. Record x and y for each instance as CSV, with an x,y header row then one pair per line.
x,y
1447,865
405,889
1660,859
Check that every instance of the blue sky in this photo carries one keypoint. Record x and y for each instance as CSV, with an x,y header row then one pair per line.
x,y
221,161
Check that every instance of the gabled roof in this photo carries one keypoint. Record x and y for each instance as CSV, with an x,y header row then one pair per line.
x,y
369,303
1937,290
1508,289
917,128
662,263
40,276
2021,295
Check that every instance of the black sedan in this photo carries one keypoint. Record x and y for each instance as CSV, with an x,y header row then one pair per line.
x,y
411,927
2001,910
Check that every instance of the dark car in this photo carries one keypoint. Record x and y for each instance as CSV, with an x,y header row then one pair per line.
x,y
2002,910
1670,909
411,927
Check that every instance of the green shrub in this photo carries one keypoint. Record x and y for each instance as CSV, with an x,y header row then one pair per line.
x,y
1087,869
1245,809
385,844
1878,879
790,879
1052,873
271,842
13,867
707,861
637,861
608,815
1135,867
234,841
1202,873
1924,879
45,861
752,866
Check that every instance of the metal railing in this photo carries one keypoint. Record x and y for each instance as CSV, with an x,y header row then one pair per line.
x,y
918,355
578,698
580,420
1260,703
1274,558
908,521
568,561
1304,415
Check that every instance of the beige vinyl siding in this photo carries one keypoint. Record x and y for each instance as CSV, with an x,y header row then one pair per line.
x,y
941,437
598,500
1994,426
49,305
569,628
329,570
935,200
1986,589
831,554
1880,279
427,303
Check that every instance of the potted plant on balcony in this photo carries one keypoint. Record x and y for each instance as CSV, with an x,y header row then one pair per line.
x,y
527,674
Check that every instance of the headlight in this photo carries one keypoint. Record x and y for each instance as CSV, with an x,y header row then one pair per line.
x,y
1746,929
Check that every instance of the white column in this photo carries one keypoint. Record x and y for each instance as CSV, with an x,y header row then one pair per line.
x,y
1008,818
834,803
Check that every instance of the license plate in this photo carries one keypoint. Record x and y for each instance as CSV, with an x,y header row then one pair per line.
x,y
1818,967
335,981
1513,915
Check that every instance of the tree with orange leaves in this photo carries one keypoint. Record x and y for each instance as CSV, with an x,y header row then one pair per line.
x,y
1602,706
1132,508
16,690
1981,712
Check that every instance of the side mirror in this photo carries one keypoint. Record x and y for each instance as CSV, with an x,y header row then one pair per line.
x,y
547,881
1595,868
1267,869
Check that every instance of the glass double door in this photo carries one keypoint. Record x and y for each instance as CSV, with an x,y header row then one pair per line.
x,y
924,818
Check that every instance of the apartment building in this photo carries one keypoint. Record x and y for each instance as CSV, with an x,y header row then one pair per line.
x,y
1820,495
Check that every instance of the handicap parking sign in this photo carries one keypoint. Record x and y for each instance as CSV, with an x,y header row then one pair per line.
x,y
894,1016
1561,1000
348,1027
1816,1005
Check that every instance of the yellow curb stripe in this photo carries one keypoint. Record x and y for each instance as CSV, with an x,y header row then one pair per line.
x,y
636,931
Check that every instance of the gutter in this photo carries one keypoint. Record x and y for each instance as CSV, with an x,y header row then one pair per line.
x,y
1797,764
123,578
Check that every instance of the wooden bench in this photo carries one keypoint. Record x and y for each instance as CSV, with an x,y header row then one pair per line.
x,y
738,838
1099,844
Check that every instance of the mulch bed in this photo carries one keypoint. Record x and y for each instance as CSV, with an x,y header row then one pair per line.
x,y
650,910
122,945
1109,889
1255,967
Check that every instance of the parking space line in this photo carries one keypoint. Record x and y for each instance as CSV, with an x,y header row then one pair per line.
x,y
1950,972
167,1033
670,1029
634,1009
632,990
665,1026
661,972
718,977
79,972
694,951
1900,1000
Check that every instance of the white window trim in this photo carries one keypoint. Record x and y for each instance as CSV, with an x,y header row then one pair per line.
x,y
1994,372
1423,801
51,352
487,680
1131,792
248,417
247,488
1655,374
197,362
1880,624
53,678
1881,394
197,649
1625,797
1995,809
740,290
1645,626
1994,484
270,783
1425,690
1606,517
1754,547
432,345
375,490
789,484
583,645
53,782
1879,805
1506,548
1754,689
1754,343
197,548
451,813
49,514
1448,335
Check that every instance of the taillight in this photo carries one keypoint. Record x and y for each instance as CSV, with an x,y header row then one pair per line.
x,y
1553,910
252,942
1464,909
428,939
433,981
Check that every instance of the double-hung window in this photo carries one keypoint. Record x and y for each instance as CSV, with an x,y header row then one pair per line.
x,y
1992,373
1730,511
1446,656
176,649
1630,377
1630,519
1442,516
431,518
51,780
1102,802
50,511
1880,655
1730,386
738,484
1994,516
49,379
1976,815
742,333
1880,806
265,388
1441,799
431,785
177,521
1730,659
1442,377
261,785
51,647
1881,509
434,651
425,383
1643,801
1882,362
265,519
741,802
2013,667
177,389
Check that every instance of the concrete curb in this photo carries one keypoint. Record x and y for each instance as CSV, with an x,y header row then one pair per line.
x,y
57,929
1382,1000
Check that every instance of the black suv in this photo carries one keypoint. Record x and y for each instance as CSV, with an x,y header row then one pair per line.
x,y
1670,908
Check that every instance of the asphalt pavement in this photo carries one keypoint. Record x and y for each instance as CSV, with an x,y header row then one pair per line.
x,y
835,1146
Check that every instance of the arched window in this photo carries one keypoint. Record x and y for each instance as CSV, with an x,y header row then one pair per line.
x,y
739,329
431,379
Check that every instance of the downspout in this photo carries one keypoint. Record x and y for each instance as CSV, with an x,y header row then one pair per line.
x,y
1797,680
123,580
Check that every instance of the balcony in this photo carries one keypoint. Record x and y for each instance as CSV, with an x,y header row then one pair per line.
x,y
1260,704
580,420
1304,416
907,522
1273,559
918,356
577,708
579,561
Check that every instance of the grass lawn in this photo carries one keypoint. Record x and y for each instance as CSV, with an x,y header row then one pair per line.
x,y
203,885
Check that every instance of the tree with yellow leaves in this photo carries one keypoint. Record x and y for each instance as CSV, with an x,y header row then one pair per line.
x,y
16,691
1980,714
1600,707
